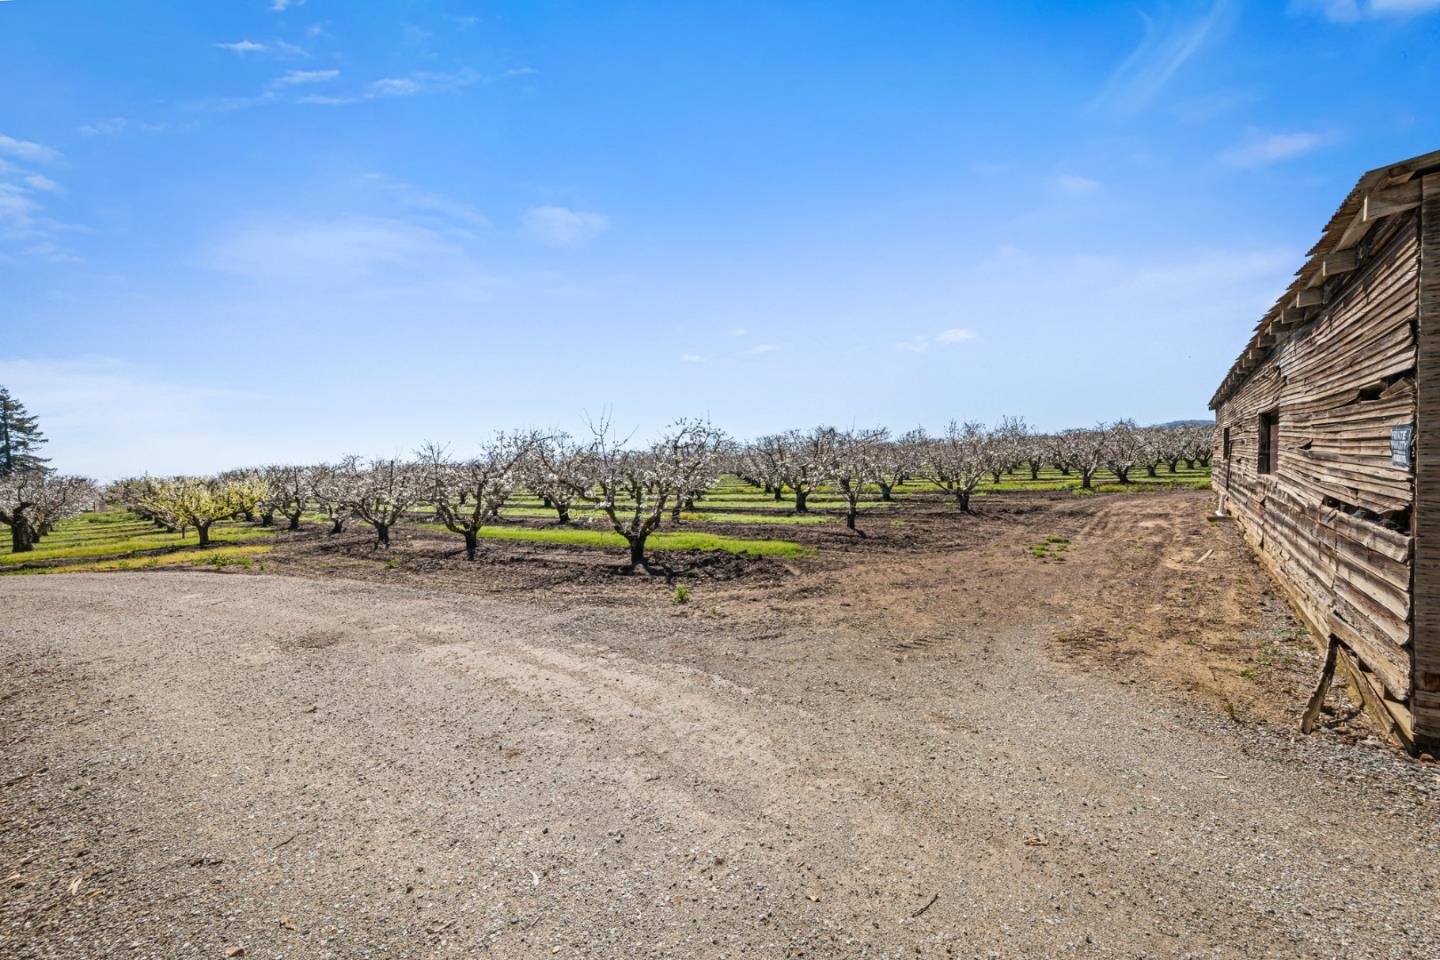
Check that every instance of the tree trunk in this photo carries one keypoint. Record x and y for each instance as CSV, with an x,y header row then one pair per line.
x,y
203,529
1085,475
295,521
1150,469
779,491
800,498
995,475
337,525
248,515
1123,474
20,540
564,511
637,551
1173,465
850,517
1034,470
962,497
885,489
267,519
472,543
1189,463
1064,469
382,534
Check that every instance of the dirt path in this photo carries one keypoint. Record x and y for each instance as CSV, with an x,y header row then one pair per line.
x,y
198,762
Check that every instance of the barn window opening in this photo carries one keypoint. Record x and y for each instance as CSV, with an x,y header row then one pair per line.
x,y
1269,441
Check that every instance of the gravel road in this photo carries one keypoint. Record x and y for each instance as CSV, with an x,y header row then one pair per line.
x,y
200,763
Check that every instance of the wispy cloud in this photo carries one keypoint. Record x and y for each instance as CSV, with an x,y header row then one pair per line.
x,y
280,6
108,127
1167,45
739,332
295,78
412,199
945,338
26,228
42,183
242,46
247,46
563,227
954,335
760,348
27,150
385,256
1075,185
415,84
1352,11
690,358
1261,148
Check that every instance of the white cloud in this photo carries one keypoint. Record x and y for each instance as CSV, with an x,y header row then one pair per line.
x,y
945,338
242,46
739,332
293,78
104,128
760,348
27,150
280,6
25,226
562,226
275,46
412,198
690,358
395,87
415,84
17,208
1351,11
37,181
1075,185
1166,46
1261,149
954,335
375,256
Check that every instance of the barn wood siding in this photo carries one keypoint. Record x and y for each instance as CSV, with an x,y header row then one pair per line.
x,y
1339,384
1426,703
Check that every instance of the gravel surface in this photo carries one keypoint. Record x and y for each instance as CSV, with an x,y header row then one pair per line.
x,y
196,764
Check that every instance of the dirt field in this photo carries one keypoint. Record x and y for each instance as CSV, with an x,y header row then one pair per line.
x,y
933,743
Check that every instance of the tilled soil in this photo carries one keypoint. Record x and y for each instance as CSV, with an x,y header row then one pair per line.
x,y
929,745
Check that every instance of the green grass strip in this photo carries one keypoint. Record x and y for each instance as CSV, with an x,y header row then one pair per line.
x,y
674,540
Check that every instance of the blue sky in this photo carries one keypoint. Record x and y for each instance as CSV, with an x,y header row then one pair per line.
x,y
266,230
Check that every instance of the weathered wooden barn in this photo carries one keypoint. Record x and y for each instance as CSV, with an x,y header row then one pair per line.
x,y
1327,443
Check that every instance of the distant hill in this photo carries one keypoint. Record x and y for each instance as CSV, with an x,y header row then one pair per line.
x,y
1186,423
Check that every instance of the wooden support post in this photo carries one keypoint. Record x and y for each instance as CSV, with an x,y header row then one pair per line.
x,y
1322,686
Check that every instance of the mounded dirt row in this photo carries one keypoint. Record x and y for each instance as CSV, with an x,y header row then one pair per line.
x,y
195,763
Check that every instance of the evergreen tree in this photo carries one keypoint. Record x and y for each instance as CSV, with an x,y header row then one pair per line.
x,y
20,438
